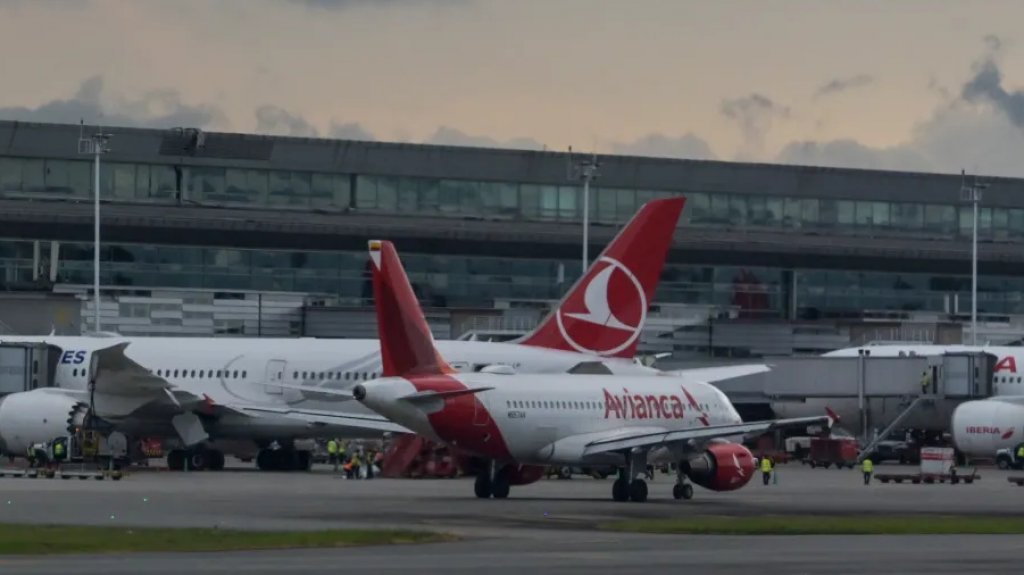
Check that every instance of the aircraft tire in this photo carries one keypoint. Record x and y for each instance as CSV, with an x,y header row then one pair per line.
x,y
265,460
500,487
620,490
482,486
176,460
216,460
638,490
198,459
303,460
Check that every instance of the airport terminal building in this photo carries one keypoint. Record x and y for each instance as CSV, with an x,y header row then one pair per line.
x,y
213,233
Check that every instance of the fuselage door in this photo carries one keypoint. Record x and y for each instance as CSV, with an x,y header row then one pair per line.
x,y
276,369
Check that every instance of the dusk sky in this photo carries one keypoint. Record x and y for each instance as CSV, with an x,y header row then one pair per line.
x,y
934,85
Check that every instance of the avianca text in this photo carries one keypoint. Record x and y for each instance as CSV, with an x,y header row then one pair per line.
x,y
637,406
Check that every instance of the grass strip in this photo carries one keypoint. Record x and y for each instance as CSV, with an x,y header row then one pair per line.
x,y
825,525
54,539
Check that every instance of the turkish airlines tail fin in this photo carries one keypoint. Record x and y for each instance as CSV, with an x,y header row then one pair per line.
x,y
406,344
604,311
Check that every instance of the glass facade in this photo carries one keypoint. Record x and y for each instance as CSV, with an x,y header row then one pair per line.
x,y
463,281
275,189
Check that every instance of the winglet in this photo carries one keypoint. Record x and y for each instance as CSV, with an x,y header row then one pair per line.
x,y
406,344
603,312
833,417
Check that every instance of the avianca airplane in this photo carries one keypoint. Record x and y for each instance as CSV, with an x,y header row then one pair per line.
x,y
522,423
213,395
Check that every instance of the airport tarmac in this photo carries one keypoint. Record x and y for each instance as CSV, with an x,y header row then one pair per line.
x,y
548,526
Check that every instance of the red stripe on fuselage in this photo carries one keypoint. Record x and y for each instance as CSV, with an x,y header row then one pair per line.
x,y
465,421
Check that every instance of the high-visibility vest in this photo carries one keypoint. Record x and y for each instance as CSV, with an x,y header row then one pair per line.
x,y
58,450
1020,452
867,466
766,465
332,447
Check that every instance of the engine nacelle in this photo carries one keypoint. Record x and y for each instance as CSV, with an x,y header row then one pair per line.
x,y
37,416
980,428
723,467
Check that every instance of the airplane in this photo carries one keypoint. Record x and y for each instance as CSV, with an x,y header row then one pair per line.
x,y
258,396
984,427
524,422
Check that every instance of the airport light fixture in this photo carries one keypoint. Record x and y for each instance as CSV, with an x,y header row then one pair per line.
x,y
97,145
588,172
972,193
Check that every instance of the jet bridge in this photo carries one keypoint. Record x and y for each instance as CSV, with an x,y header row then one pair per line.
x,y
871,393
27,366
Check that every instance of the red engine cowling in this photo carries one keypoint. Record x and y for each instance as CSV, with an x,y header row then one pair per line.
x,y
723,467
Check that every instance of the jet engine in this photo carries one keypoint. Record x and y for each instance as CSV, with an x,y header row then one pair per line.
x,y
722,467
37,416
982,427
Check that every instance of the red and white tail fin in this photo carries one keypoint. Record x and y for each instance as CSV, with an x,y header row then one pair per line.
x,y
604,311
406,344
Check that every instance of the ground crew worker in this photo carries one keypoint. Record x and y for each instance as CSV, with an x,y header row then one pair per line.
x,y
766,469
1020,454
926,380
31,456
332,453
58,452
868,467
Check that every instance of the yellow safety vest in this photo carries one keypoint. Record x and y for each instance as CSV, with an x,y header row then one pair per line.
x,y
766,465
1020,452
867,466
332,447
58,450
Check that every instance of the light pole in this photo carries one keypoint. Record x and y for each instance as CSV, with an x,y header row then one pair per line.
x,y
972,194
588,171
97,145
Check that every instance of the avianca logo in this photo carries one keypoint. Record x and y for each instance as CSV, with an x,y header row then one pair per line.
x,y
637,406
1008,363
984,430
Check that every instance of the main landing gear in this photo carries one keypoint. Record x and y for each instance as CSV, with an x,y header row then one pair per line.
x,y
493,481
630,486
198,458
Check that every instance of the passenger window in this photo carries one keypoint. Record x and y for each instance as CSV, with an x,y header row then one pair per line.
x,y
236,374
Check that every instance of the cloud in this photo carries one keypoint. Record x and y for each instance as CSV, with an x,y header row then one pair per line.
x,y
986,85
350,131
981,130
279,122
155,109
755,115
687,146
445,136
838,85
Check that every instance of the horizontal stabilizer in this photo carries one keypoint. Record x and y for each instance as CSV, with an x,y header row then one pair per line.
x,y
426,396
342,394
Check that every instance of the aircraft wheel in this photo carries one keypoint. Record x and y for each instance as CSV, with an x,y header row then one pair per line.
x,y
176,460
682,491
198,460
482,485
620,490
265,460
304,461
216,458
638,490
500,486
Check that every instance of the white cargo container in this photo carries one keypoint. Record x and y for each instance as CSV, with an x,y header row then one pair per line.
x,y
937,460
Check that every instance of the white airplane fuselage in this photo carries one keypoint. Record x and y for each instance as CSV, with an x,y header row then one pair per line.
x,y
550,419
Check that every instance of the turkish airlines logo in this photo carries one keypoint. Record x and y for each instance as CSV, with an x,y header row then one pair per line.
x,y
606,325
984,430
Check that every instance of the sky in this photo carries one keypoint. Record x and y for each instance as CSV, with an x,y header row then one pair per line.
x,y
923,85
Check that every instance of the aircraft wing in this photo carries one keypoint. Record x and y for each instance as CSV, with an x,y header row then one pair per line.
x,y
118,374
641,439
720,373
325,418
